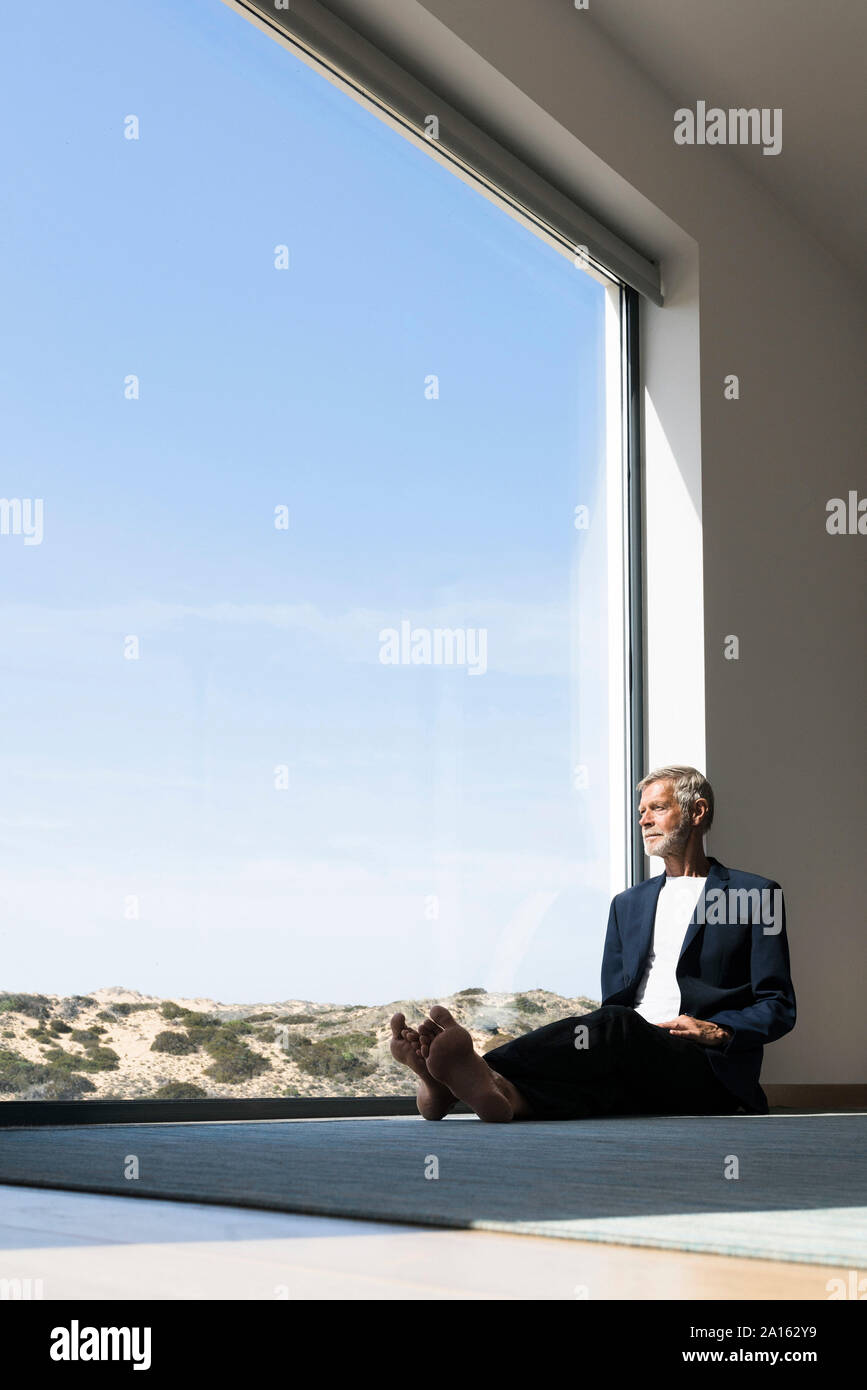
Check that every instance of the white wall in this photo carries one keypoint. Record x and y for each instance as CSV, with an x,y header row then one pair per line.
x,y
784,724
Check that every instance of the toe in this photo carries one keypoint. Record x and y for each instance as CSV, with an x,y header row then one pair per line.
x,y
442,1018
398,1023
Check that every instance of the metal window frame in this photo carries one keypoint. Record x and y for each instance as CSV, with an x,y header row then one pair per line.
x,y
316,33
17,1114
636,669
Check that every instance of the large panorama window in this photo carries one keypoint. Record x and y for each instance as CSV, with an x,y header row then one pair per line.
x,y
314,544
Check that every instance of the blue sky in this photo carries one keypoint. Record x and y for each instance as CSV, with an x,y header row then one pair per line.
x,y
259,648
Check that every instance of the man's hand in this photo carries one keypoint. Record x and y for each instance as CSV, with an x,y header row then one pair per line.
x,y
708,1034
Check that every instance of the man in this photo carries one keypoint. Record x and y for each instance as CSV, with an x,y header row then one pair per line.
x,y
695,979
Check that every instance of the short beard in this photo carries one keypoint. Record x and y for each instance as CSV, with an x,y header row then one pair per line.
x,y
673,842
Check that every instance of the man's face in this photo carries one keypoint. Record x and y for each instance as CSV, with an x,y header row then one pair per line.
x,y
664,827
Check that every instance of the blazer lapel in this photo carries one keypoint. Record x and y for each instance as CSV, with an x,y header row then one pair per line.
x,y
652,887
717,876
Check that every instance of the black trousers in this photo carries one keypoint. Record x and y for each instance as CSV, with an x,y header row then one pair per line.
x,y
610,1062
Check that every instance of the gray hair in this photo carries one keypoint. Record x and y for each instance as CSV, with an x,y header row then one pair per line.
x,y
689,785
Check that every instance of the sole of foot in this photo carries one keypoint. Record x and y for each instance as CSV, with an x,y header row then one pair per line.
x,y
452,1060
433,1097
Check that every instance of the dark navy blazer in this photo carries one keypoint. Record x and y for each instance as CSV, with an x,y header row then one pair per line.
x,y
732,970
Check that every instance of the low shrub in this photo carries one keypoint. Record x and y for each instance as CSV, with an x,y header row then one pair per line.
x,y
57,1076
233,1060
206,1029
528,1006
31,1005
344,1054
178,1044
68,1086
72,1006
99,1059
180,1090
16,1072
203,1027
95,1059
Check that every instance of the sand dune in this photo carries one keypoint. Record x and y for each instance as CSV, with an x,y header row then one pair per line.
x,y
101,1045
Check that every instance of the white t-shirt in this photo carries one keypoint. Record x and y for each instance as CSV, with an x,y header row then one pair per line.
x,y
657,997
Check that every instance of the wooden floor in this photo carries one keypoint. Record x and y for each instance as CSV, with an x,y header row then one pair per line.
x,y
89,1246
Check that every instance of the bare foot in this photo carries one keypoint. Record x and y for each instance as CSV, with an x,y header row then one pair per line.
x,y
434,1098
427,1031
452,1060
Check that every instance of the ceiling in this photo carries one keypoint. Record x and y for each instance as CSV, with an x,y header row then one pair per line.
x,y
805,56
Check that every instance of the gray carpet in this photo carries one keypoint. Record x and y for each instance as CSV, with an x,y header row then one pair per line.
x,y
800,1193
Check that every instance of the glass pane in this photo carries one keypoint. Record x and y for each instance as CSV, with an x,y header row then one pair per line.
x,y
311,578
